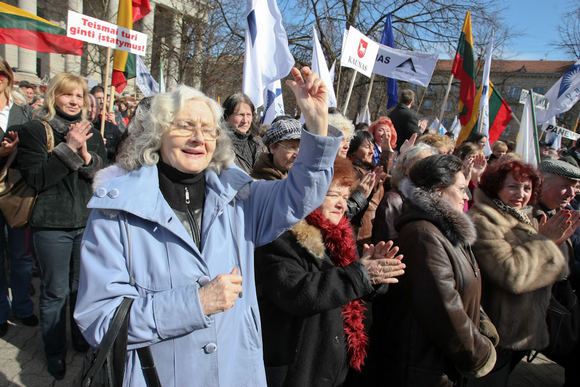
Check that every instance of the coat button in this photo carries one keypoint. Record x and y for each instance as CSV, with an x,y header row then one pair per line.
x,y
210,348
203,280
101,192
114,193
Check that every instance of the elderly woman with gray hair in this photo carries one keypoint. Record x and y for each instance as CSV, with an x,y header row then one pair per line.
x,y
391,206
174,226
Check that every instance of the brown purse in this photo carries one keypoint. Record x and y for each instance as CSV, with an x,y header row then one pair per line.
x,y
16,197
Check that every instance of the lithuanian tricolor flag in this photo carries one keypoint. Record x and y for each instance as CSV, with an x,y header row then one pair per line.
x,y
500,115
27,30
464,70
124,64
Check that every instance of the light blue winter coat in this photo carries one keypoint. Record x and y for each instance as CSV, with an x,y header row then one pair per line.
x,y
189,348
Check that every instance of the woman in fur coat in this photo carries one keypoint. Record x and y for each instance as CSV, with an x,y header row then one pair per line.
x,y
310,288
428,331
518,263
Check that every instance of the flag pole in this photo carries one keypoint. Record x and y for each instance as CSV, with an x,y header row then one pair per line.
x,y
349,92
112,100
516,118
369,92
535,129
445,98
421,100
338,82
104,110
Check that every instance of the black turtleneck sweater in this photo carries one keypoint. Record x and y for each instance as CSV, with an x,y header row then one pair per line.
x,y
185,194
62,180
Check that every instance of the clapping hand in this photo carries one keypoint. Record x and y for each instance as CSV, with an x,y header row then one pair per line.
x,y
561,226
312,98
408,143
382,263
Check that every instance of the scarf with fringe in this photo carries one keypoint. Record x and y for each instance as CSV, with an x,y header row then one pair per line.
x,y
339,241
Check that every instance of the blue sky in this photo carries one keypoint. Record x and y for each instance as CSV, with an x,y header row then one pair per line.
x,y
537,23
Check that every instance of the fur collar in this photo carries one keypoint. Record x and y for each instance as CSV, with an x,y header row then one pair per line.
x,y
106,174
310,238
485,206
455,225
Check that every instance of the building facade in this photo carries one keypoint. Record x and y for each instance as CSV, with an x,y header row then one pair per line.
x,y
509,78
172,46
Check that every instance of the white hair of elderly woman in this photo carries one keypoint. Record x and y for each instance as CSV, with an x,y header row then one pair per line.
x,y
144,141
407,159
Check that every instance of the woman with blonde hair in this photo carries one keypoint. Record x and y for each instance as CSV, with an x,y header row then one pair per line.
x,y
58,155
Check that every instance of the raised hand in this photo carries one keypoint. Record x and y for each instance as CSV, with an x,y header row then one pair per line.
x,y
220,293
312,98
408,143
382,263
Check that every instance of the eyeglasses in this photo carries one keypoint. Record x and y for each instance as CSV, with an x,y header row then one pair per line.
x,y
188,128
290,149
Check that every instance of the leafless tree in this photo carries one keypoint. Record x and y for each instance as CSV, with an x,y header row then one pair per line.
x,y
570,33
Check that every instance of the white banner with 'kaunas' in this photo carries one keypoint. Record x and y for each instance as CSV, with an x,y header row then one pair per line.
x,y
359,52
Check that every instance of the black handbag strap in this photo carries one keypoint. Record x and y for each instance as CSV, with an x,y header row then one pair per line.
x,y
120,319
148,367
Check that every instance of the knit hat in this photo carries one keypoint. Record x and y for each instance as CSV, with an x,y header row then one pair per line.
x,y
560,168
289,129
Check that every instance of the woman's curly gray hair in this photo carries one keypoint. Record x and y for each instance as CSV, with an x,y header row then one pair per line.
x,y
144,141
406,160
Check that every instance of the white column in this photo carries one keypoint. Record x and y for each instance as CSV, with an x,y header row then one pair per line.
x,y
73,62
27,58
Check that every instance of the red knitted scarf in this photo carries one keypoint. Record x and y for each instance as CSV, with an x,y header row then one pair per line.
x,y
339,241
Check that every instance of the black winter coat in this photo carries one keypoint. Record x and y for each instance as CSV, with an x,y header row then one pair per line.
x,y
62,181
405,122
301,294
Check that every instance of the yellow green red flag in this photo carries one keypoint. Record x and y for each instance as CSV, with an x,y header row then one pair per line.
x,y
124,64
464,70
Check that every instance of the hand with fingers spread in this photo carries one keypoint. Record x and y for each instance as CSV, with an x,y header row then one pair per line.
x,y
478,167
77,137
312,98
382,263
221,293
367,184
561,226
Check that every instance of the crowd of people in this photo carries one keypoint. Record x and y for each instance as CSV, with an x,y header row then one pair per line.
x,y
314,254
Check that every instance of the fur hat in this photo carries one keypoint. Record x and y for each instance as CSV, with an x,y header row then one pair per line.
x,y
289,129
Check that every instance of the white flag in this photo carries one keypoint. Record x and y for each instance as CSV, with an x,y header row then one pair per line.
x,y
267,57
526,145
319,66
359,52
455,128
273,102
563,95
484,101
364,116
409,66
145,81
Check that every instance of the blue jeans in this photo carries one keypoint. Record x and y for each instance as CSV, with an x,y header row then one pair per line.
x,y
58,254
13,246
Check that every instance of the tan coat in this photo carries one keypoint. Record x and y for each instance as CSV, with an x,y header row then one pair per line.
x,y
518,268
